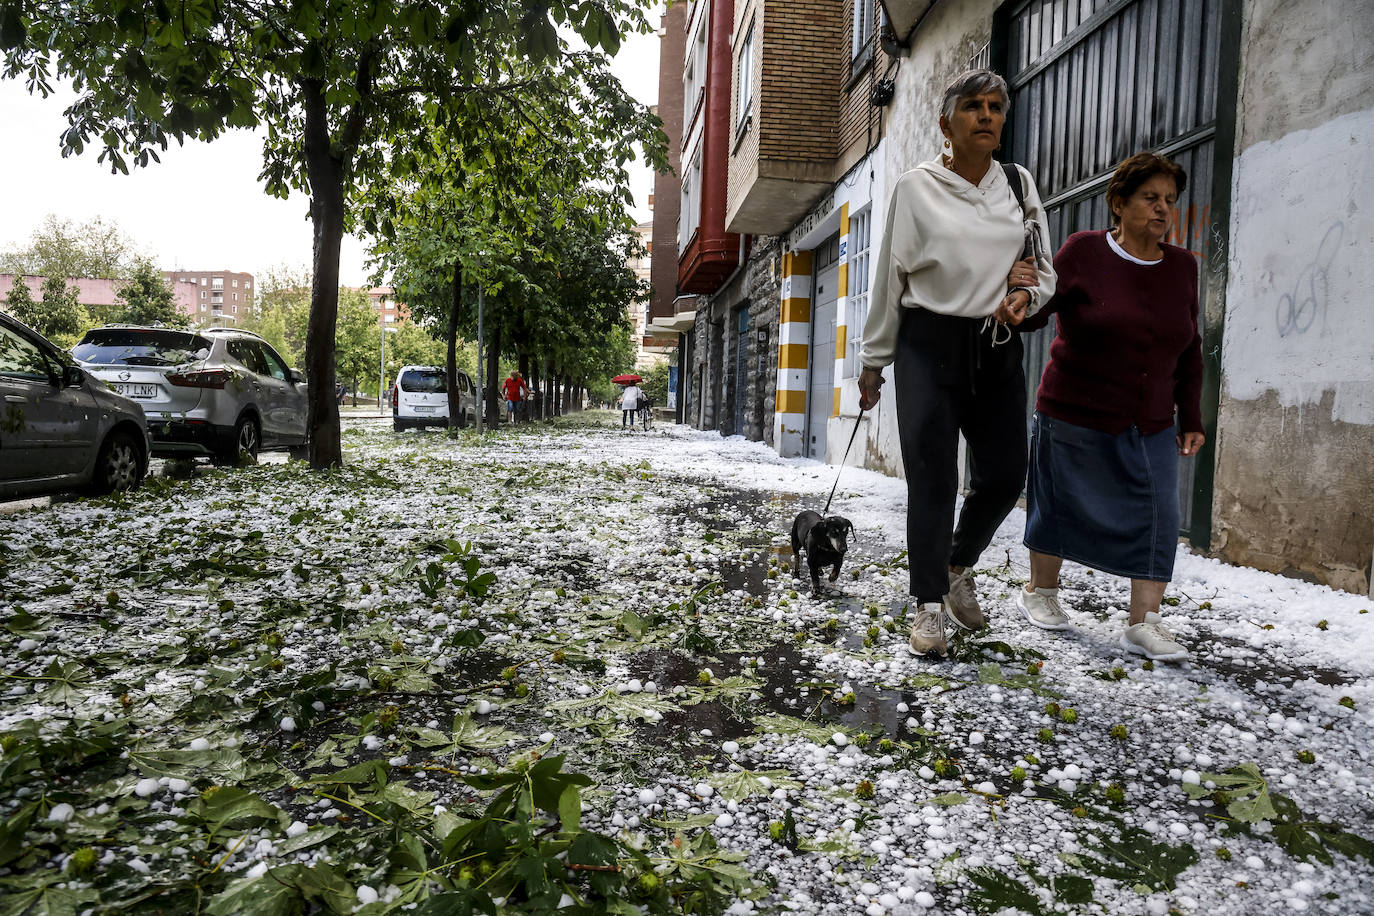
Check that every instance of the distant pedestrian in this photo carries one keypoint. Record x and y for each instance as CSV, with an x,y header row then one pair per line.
x,y
1103,487
629,404
513,390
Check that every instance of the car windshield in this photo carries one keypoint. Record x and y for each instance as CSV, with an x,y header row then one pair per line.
x,y
141,347
427,380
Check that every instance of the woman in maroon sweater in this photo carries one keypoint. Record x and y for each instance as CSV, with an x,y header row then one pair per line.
x,y
1103,480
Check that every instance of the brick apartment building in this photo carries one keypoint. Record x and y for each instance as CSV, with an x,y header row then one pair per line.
x,y
219,296
799,116
98,294
669,320
383,300
782,150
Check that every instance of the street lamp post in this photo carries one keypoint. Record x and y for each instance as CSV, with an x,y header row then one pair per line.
x,y
381,381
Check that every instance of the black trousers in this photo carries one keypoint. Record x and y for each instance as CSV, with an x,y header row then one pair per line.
x,y
951,379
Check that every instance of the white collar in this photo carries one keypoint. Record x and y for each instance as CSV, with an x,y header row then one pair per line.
x,y
1116,246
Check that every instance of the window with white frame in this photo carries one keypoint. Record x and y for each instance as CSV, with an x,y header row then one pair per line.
x,y
694,74
863,28
690,216
744,81
856,308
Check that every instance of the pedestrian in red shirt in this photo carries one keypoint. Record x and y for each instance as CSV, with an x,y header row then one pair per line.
x,y
1103,481
514,391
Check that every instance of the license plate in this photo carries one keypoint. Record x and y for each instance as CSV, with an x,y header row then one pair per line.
x,y
421,408
136,391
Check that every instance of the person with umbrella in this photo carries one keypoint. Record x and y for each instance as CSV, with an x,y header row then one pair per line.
x,y
629,399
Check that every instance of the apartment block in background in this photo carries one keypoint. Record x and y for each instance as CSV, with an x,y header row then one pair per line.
x,y
391,312
220,296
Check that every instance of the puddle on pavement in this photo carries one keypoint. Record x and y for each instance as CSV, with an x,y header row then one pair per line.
x,y
790,685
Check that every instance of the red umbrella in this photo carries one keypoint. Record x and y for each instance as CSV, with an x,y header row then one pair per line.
x,y
628,379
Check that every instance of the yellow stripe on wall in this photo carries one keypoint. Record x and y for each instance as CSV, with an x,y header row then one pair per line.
x,y
791,401
792,356
796,262
798,308
835,408
841,340
842,283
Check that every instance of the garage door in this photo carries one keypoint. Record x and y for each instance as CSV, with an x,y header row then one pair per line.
x,y
1095,81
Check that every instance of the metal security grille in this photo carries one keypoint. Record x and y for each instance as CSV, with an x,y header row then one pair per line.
x,y
1095,81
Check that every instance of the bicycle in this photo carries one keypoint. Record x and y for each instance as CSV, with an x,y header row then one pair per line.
x,y
646,416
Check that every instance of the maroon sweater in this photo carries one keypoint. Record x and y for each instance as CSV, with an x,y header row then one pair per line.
x,y
1127,348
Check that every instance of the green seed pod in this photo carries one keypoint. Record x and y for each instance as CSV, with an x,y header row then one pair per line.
x,y
83,860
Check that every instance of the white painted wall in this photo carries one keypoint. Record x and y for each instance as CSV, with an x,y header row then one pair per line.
x,y
1300,303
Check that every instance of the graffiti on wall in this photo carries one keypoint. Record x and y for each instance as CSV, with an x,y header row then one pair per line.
x,y
1299,308
1299,314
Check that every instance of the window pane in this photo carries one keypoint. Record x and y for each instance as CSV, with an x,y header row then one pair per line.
x,y
21,359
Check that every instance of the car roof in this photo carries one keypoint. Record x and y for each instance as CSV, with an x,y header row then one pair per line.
x,y
231,332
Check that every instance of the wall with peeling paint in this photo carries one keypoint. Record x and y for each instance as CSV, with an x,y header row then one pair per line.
x,y
1294,489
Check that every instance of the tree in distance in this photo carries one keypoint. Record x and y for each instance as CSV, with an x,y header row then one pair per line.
x,y
147,299
340,89
61,248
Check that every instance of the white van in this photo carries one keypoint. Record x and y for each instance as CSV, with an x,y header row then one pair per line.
x,y
420,398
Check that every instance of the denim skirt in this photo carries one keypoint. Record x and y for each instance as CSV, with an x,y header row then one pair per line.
x,y
1108,502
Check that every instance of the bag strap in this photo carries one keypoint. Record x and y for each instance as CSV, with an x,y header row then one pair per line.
x,y
1017,187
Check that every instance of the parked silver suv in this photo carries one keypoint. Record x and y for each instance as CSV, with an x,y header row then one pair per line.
x,y
214,392
60,428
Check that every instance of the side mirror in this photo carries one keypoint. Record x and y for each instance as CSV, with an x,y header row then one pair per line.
x,y
73,377
295,376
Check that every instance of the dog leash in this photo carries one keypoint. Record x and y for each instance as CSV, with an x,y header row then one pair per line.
x,y
857,420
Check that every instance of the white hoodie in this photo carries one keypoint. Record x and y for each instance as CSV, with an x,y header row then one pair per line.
x,y
948,248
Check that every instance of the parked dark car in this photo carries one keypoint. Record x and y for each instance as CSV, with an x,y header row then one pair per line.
x,y
60,427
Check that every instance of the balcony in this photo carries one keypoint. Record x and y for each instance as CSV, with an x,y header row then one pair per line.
x,y
786,150
712,253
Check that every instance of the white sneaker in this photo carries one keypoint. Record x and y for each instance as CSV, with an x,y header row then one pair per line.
x,y
1151,640
1042,609
961,602
928,632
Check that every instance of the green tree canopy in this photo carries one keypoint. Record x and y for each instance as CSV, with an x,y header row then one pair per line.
x,y
59,314
340,88
147,299
62,248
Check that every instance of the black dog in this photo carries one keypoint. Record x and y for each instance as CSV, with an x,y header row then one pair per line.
x,y
825,541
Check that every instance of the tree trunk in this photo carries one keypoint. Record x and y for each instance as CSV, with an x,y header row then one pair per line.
x,y
455,410
548,387
537,403
493,366
325,174
523,362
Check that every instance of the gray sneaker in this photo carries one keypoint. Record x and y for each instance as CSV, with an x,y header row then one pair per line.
x,y
928,632
1151,640
962,601
1042,608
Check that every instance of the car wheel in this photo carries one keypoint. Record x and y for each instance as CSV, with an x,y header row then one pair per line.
x,y
119,466
397,425
246,439
464,419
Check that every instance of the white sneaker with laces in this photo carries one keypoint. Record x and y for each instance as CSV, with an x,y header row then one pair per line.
x,y
928,632
1151,640
1042,608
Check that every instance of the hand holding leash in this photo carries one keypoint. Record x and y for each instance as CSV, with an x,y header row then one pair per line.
x,y
870,388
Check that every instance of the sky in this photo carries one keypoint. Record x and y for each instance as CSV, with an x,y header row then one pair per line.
x,y
202,207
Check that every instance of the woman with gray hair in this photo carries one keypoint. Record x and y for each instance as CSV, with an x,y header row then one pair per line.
x,y
964,255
